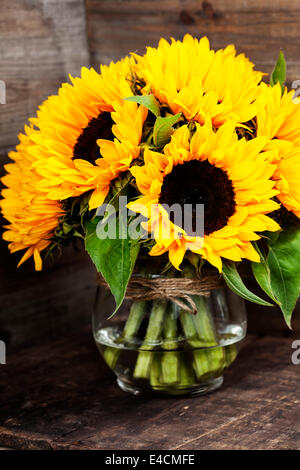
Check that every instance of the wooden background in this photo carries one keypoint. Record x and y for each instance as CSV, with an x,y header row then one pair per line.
x,y
41,42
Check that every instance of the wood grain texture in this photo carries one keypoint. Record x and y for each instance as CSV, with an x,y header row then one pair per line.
x,y
42,306
41,42
62,396
260,29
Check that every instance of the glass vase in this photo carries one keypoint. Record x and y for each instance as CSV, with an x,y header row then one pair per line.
x,y
159,347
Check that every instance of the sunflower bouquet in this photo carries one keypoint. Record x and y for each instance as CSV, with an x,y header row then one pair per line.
x,y
182,125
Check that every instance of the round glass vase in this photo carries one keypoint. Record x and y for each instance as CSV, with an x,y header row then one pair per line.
x,y
159,347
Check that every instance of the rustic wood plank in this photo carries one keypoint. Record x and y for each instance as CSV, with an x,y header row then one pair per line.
x,y
260,29
62,395
262,423
43,305
41,42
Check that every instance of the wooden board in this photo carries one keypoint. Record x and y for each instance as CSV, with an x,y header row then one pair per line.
x,y
260,29
62,396
47,305
41,42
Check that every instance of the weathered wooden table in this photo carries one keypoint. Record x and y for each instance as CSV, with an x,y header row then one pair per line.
x,y
62,396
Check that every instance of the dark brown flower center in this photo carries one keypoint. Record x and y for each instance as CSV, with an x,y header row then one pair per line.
x,y
250,132
86,146
198,182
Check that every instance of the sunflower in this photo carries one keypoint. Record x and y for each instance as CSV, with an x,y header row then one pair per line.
x,y
31,215
59,156
278,115
287,178
117,155
193,79
92,108
278,119
231,177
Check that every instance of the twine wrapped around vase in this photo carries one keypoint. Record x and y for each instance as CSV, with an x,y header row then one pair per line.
x,y
179,290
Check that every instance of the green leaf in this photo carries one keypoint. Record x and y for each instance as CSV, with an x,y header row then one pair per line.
x,y
119,187
113,258
235,283
270,236
149,101
284,264
262,274
163,129
279,73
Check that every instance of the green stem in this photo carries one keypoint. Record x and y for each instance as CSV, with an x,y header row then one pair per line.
x,y
204,323
201,363
200,334
111,356
188,325
155,372
136,314
142,366
170,367
155,324
230,354
153,334
187,377
170,328
135,318
214,359
170,358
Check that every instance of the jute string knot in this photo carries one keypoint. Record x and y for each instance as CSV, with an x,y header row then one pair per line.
x,y
179,290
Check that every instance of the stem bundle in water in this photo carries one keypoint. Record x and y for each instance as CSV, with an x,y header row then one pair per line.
x,y
178,350
153,335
